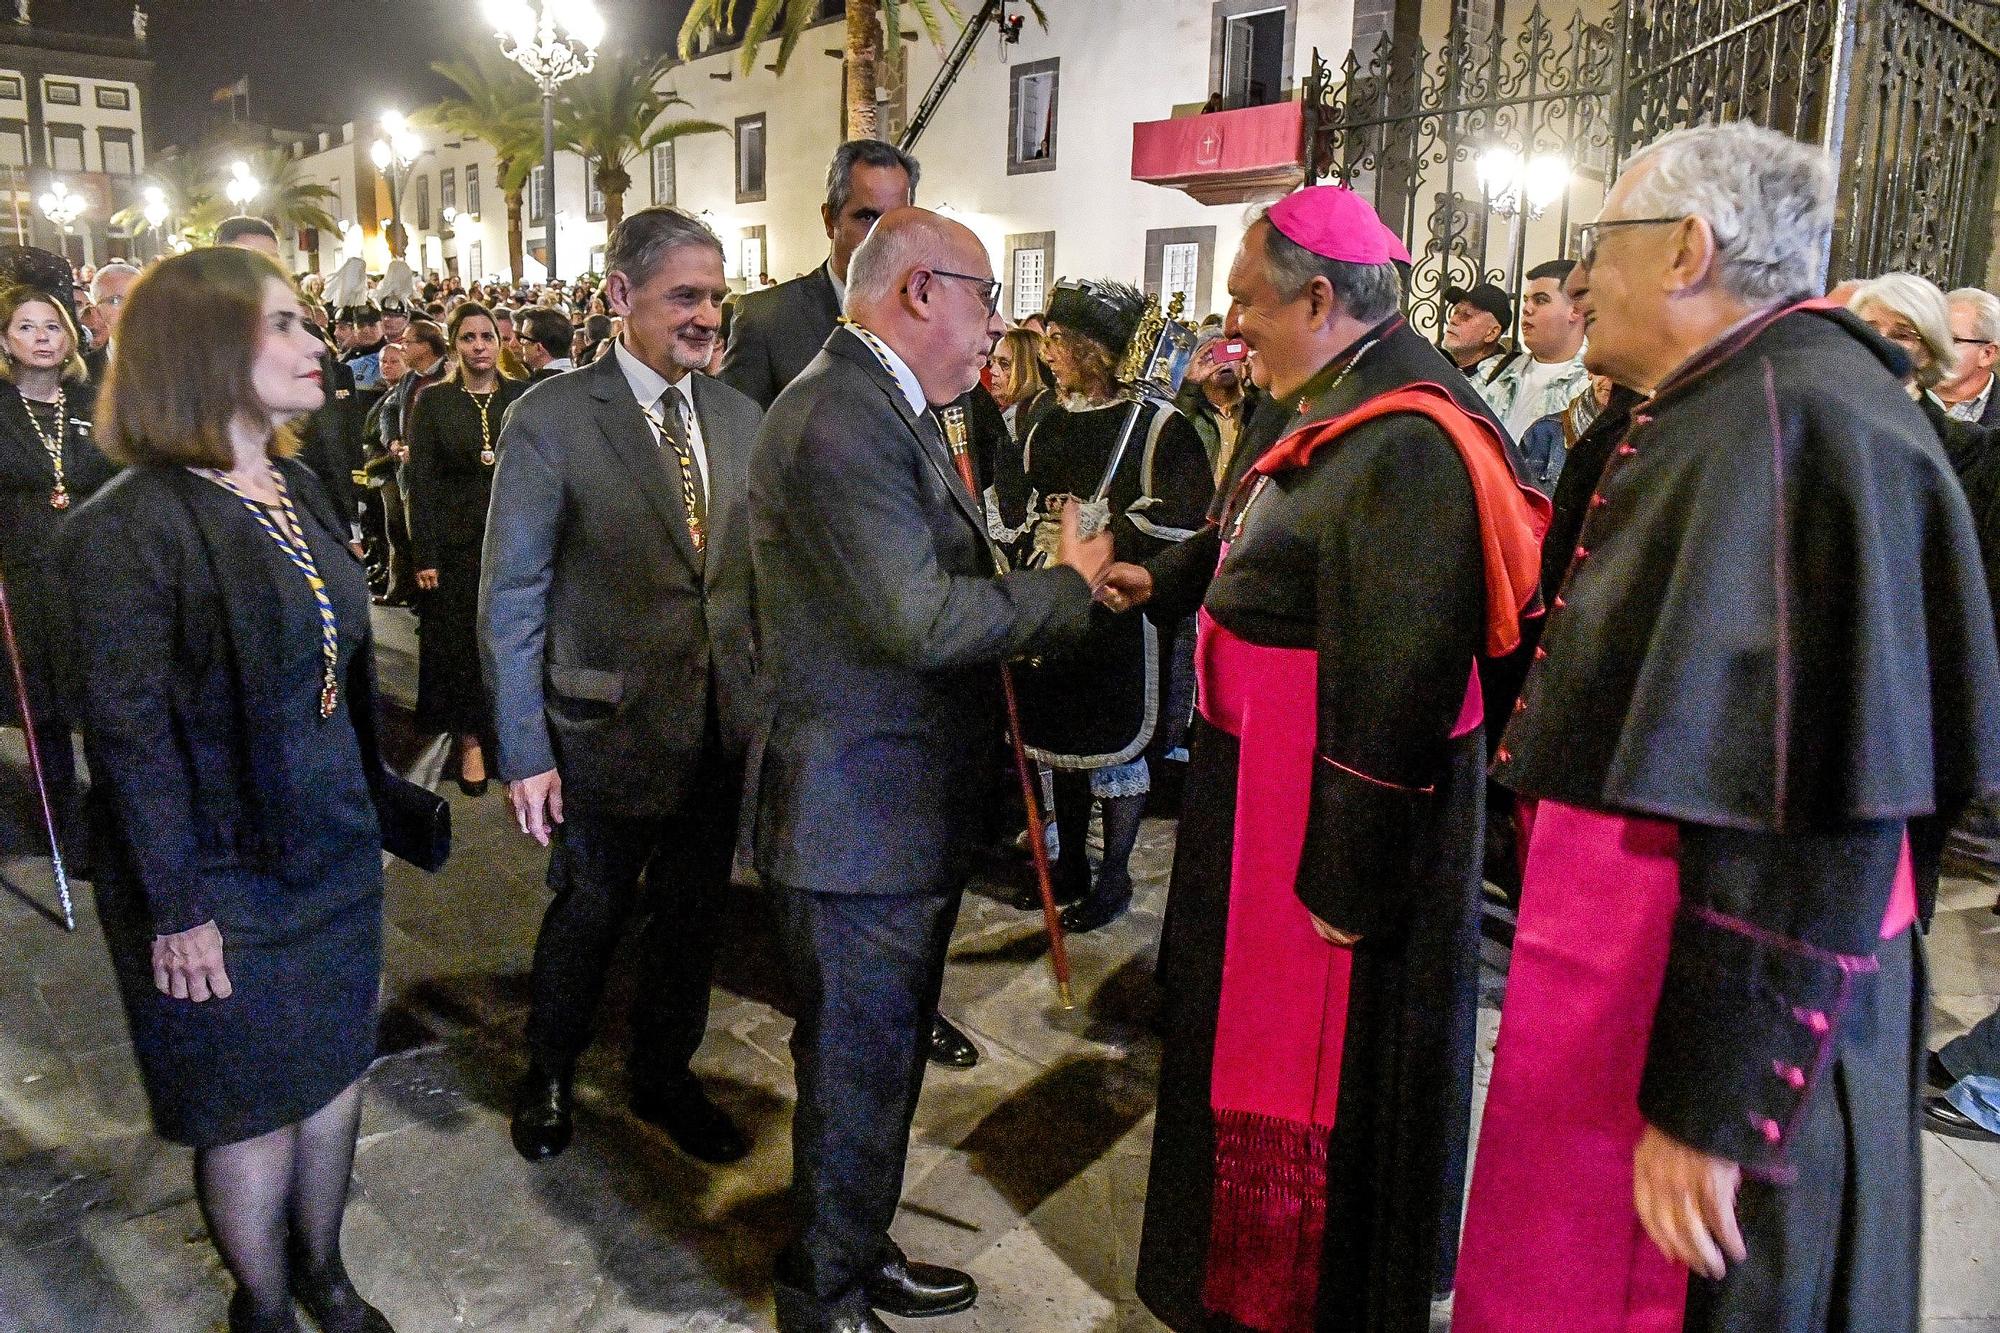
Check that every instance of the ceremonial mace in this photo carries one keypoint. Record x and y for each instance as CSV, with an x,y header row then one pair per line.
x,y
35,756
961,455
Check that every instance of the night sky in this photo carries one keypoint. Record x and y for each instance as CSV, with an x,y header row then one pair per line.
x,y
308,60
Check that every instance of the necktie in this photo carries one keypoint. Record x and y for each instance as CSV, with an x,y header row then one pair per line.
x,y
673,430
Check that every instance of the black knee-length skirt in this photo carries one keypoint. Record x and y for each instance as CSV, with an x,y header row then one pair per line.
x,y
298,1027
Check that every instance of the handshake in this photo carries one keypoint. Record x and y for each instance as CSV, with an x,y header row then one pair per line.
x,y
1116,585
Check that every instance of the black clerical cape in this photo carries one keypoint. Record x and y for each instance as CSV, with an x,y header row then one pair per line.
x,y
1767,677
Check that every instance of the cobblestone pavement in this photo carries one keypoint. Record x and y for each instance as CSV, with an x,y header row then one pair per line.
x,y
1028,1170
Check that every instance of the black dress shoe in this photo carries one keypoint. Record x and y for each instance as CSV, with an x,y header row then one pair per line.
x,y
1941,1117
1936,1075
1029,899
911,1290
697,1125
473,788
1095,911
948,1046
543,1115
330,1298
862,1321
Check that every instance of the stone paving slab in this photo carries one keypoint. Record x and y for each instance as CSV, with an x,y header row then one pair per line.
x,y
1030,1170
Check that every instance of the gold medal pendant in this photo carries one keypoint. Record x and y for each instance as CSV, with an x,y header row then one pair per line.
x,y
59,498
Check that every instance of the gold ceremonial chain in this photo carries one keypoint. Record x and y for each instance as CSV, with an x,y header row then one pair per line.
x,y
59,497
684,456
484,401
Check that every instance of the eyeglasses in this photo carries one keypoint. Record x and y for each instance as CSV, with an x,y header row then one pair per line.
x,y
992,285
1588,234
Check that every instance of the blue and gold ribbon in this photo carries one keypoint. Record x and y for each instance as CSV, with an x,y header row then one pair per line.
x,y
291,539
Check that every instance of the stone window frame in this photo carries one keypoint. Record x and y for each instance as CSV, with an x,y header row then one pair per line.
x,y
1045,241
1016,75
1157,241
1224,11
761,121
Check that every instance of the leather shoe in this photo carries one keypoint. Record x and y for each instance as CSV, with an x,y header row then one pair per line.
x,y
1941,1117
950,1047
1936,1075
697,1125
912,1290
330,1298
543,1115
1095,911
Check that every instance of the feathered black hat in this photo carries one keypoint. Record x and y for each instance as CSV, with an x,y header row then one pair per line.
x,y
43,270
1107,313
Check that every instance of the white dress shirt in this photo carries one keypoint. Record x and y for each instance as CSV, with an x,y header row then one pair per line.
x,y
906,379
647,386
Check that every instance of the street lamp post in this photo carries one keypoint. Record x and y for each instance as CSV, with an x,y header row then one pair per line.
x,y
553,46
62,209
242,188
1521,189
156,215
393,154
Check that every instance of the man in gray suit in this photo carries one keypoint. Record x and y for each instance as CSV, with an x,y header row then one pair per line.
x,y
884,620
615,624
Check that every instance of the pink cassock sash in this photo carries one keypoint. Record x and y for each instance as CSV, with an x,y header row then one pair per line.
x,y
1282,1022
1551,1238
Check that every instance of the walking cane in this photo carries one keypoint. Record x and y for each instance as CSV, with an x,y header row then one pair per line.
x,y
35,756
961,455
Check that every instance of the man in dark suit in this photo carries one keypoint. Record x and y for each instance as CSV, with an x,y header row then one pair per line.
x,y
777,332
546,336
615,608
883,622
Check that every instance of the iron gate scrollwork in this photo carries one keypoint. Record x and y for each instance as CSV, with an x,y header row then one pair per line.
x,y
1411,127
1904,93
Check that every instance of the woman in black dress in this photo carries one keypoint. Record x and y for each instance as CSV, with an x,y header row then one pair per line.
x,y
223,639
454,433
48,466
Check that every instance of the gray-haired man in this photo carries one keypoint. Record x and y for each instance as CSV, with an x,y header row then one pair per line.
x,y
1767,682
1975,331
615,628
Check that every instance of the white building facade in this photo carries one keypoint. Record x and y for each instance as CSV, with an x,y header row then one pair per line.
x,y
72,110
1033,149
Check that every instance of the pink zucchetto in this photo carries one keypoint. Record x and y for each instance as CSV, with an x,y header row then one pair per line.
x,y
1334,222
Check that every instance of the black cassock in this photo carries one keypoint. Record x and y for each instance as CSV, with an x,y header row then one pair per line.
x,y
1370,555
1097,703
1769,675
447,483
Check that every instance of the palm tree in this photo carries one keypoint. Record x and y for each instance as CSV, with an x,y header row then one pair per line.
x,y
289,201
188,184
499,105
617,112
787,21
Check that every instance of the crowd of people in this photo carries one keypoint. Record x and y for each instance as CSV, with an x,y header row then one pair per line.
x,y
1683,600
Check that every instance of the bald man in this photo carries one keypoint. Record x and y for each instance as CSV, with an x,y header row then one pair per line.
x,y
883,621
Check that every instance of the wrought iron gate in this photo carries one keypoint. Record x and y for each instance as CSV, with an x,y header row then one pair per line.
x,y
1488,149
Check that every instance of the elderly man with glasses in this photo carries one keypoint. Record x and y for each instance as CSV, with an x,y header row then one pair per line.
x,y
1767,682
1968,394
